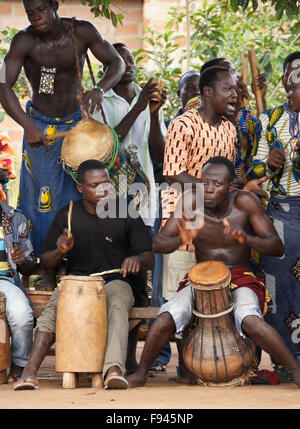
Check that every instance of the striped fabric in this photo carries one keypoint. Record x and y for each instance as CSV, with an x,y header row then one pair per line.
x,y
278,128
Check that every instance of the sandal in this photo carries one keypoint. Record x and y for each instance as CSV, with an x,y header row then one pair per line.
x,y
115,382
29,383
158,366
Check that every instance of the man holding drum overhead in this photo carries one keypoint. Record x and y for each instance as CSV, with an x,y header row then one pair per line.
x,y
46,50
225,235
95,245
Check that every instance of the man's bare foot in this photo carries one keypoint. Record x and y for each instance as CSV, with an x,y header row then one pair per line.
x,y
15,373
29,371
184,376
137,379
296,376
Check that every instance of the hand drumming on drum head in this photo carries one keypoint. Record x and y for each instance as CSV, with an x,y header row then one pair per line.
x,y
65,242
237,233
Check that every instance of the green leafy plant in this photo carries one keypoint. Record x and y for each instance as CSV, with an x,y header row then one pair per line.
x,y
220,32
103,8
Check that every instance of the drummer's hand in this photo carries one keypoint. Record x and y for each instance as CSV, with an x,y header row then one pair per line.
x,y
35,137
155,106
186,235
276,158
131,265
65,243
145,95
253,186
261,82
92,100
236,233
18,255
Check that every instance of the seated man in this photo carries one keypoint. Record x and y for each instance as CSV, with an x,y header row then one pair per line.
x,y
219,241
96,244
16,257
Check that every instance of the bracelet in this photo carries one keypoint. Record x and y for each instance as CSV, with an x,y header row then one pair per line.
x,y
99,89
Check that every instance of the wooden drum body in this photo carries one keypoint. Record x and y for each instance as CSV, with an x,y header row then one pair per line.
x,y
4,341
214,350
81,327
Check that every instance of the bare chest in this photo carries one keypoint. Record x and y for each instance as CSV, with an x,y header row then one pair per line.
x,y
59,54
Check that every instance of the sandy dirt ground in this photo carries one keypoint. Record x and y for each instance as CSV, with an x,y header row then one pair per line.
x,y
159,393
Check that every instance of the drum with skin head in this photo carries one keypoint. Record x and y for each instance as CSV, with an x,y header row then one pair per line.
x,y
81,325
91,139
214,350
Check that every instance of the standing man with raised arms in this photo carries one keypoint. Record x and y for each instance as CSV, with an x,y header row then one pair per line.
x,y
46,51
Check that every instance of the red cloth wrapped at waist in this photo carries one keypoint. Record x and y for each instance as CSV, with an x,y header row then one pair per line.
x,y
241,277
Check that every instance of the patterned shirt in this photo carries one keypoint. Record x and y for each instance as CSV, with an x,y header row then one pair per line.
x,y
277,128
190,142
16,231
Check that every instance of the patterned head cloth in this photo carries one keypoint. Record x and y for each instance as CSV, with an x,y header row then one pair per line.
x,y
193,103
7,156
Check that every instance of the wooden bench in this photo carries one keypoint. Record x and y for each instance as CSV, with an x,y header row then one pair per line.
x,y
40,298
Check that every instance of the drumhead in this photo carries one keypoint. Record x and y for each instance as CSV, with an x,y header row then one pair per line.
x,y
89,139
210,273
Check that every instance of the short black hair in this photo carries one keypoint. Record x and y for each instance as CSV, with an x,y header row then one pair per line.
x,y
88,165
210,76
224,161
212,63
119,45
186,76
290,58
49,1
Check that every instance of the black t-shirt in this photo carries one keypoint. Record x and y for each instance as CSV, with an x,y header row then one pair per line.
x,y
99,244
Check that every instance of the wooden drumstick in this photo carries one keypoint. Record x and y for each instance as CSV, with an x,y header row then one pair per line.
x,y
116,270
69,218
245,75
8,242
254,72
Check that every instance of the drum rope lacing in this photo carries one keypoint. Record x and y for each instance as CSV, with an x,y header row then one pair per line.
x,y
212,316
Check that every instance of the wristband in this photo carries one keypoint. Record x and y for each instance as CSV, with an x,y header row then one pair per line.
x,y
99,88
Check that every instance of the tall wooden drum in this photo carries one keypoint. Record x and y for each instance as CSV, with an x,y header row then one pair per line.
x,y
81,328
4,341
214,350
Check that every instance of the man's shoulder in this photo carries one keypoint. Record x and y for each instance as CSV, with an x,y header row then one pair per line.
x,y
82,27
186,119
246,200
24,38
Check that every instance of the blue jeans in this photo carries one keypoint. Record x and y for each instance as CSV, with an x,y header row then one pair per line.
x,y
156,297
20,320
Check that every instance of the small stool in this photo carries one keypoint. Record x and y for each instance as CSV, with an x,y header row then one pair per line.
x,y
4,341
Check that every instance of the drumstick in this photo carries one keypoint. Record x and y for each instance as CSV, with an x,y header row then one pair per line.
x,y
69,218
245,75
115,270
8,242
254,72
